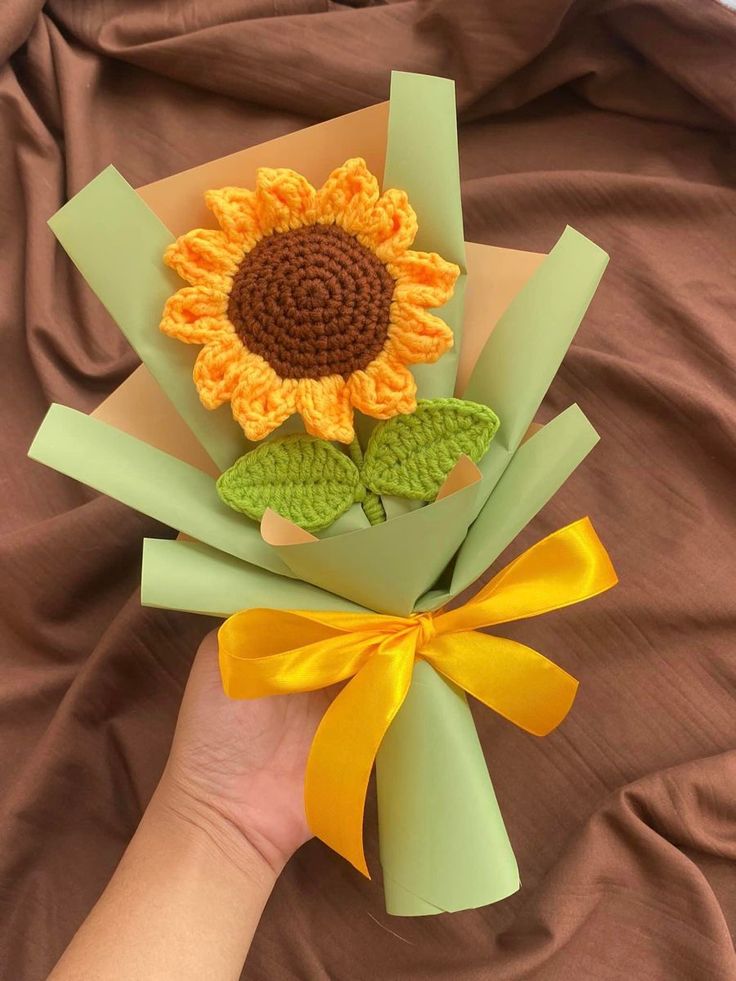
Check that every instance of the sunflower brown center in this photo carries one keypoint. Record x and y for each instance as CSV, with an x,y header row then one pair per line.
x,y
312,302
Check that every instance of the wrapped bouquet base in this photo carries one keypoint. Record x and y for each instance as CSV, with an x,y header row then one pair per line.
x,y
466,860
153,446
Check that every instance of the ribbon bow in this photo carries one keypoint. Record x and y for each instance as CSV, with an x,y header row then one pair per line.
x,y
265,652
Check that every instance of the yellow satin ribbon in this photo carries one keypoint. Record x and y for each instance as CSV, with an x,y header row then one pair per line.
x,y
266,652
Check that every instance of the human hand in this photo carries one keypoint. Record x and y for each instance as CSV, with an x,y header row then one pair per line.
x,y
237,767
227,814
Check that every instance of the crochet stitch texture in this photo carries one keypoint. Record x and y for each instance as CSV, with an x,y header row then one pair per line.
x,y
411,456
312,483
312,302
309,301
305,479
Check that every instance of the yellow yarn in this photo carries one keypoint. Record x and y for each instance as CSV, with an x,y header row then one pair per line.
x,y
343,312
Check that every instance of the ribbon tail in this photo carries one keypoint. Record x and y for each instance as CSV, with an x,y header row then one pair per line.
x,y
345,746
516,681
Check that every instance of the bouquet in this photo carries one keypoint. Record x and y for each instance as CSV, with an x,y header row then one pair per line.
x,y
335,410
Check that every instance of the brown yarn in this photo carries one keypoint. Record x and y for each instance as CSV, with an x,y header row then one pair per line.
x,y
312,302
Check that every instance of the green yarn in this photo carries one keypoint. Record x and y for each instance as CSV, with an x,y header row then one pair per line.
x,y
373,508
410,456
307,480
356,453
372,505
311,482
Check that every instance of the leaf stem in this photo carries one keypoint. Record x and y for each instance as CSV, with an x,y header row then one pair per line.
x,y
372,504
356,453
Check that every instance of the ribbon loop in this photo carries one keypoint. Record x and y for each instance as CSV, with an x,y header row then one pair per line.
x,y
566,567
266,652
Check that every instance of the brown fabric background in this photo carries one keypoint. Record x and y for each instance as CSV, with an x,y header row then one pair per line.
x,y
617,117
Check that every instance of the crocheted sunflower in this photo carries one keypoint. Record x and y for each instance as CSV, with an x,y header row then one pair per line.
x,y
309,301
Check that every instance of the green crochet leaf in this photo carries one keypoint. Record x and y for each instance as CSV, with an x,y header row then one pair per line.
x,y
411,455
305,479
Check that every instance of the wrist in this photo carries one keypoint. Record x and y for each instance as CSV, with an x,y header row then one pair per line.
x,y
183,902
202,825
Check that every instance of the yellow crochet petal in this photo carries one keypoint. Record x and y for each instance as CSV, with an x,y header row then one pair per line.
x,y
196,315
324,405
416,336
386,388
283,200
424,278
262,401
408,283
217,370
236,213
391,227
204,256
348,196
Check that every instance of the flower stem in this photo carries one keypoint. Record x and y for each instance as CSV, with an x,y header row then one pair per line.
x,y
372,506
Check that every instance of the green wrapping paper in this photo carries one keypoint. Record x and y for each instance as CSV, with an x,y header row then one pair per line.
x,y
443,843
126,271
436,854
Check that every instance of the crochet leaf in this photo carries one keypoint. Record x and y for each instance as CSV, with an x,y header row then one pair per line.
x,y
411,455
305,479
